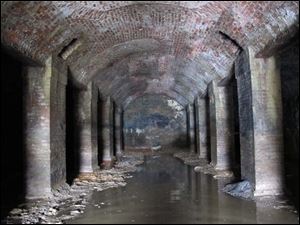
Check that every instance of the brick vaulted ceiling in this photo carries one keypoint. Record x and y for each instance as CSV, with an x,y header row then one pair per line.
x,y
130,48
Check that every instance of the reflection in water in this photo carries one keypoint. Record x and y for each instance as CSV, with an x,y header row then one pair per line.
x,y
166,191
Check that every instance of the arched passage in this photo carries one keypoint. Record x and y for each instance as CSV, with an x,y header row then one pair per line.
x,y
154,122
171,67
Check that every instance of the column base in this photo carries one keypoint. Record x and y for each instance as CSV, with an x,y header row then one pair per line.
x,y
220,167
203,160
86,176
222,172
193,150
44,197
119,156
107,164
269,192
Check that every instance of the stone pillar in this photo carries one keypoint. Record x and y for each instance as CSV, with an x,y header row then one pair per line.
x,y
121,131
58,122
84,126
197,127
261,135
221,126
37,82
191,127
94,126
201,127
118,134
107,117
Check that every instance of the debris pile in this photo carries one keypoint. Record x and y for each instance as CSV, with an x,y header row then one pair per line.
x,y
70,201
201,165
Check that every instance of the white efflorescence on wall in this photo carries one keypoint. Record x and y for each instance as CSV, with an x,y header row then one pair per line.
x,y
177,107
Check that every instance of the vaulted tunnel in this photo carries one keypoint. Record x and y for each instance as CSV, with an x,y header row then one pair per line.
x,y
90,89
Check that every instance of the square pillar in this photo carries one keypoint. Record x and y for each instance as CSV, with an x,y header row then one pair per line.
x,y
221,126
191,127
107,133
201,127
94,126
37,81
58,122
87,163
118,133
261,135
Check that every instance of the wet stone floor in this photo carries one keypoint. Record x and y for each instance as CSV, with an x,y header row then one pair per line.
x,y
164,190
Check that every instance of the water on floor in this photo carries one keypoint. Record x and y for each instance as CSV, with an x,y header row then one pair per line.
x,y
164,190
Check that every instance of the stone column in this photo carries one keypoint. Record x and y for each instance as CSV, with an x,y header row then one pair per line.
x,y
118,134
191,127
201,127
107,154
261,135
221,126
94,126
58,122
84,126
121,131
197,127
37,82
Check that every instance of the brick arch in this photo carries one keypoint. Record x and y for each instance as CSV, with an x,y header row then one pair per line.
x,y
171,94
188,30
153,72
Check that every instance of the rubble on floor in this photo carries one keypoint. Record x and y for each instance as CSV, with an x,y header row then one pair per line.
x,y
70,201
241,189
201,165
279,202
190,159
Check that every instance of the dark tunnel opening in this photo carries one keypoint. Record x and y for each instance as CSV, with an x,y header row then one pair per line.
x,y
12,151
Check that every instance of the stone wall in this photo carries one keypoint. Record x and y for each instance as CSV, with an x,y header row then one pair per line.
x,y
155,121
58,122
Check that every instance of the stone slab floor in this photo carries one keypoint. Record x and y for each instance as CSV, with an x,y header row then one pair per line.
x,y
164,190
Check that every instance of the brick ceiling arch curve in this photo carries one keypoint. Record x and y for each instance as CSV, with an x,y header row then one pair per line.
x,y
171,94
154,72
205,34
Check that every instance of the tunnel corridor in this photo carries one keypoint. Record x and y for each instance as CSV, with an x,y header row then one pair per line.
x,y
164,191
149,112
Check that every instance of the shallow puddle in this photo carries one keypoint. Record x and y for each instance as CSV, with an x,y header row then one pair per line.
x,y
164,190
